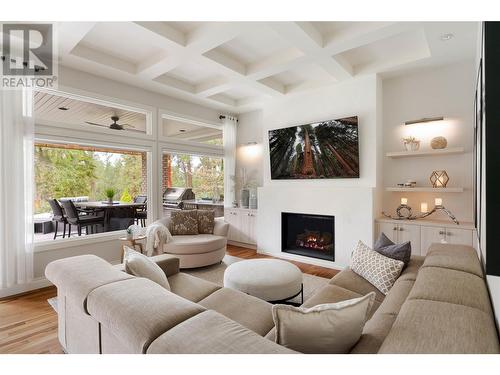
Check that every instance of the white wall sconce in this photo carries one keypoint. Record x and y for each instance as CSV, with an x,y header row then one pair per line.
x,y
250,149
424,120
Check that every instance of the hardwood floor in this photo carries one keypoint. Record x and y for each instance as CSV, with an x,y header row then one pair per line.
x,y
28,324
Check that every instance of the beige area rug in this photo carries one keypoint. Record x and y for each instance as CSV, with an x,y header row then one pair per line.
x,y
215,274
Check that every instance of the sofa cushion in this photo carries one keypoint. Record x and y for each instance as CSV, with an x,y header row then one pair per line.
x,y
350,280
195,244
328,328
140,265
191,288
78,276
213,333
456,257
447,285
183,222
441,328
410,272
378,327
374,333
251,312
379,270
138,310
206,221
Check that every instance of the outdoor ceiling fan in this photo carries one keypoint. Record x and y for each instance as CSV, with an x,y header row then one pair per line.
x,y
114,125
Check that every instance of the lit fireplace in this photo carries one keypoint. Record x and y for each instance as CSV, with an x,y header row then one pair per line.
x,y
308,235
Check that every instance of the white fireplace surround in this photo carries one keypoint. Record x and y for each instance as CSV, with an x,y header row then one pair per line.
x,y
352,208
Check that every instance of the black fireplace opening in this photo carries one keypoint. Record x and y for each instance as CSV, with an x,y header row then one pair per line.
x,y
308,235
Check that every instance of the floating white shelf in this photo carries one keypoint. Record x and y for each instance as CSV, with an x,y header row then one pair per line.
x,y
408,154
426,189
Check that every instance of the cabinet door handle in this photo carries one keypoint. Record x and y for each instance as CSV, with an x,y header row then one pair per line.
x,y
395,228
442,232
401,229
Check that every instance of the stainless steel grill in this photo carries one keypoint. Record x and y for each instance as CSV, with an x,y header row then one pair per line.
x,y
174,196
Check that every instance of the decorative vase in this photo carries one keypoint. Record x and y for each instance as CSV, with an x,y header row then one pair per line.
x,y
438,143
253,199
412,146
110,200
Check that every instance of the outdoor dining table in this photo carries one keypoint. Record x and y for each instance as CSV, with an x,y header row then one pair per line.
x,y
109,210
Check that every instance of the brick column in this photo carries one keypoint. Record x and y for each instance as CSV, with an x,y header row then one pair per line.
x,y
144,170
166,168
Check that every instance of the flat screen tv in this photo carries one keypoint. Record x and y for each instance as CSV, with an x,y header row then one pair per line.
x,y
327,149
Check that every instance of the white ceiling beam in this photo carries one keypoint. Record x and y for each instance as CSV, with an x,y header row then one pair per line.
x,y
104,59
307,38
175,83
223,99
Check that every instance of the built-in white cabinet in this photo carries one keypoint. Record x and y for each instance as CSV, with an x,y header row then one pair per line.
x,y
399,233
422,233
242,225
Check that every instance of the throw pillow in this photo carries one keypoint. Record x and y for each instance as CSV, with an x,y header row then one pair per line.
x,y
206,221
141,266
376,268
331,328
386,247
184,222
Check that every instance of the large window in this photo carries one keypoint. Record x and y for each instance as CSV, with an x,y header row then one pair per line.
x,y
90,177
201,175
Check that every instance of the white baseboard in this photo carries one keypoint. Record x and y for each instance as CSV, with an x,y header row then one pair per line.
x,y
38,283
241,244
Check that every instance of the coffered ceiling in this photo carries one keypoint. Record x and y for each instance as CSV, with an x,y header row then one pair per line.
x,y
239,66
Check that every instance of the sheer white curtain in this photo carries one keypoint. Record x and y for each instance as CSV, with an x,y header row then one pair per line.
x,y
16,187
229,137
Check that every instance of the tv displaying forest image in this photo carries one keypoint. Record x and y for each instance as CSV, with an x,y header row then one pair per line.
x,y
327,149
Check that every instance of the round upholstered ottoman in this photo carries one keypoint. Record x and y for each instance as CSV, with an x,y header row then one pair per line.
x,y
272,280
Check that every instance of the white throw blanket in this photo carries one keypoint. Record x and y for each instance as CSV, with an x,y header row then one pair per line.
x,y
157,234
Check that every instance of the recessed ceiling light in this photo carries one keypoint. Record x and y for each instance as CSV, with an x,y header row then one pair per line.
x,y
446,37
63,108
182,130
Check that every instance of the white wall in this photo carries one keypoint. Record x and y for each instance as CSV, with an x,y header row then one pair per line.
x,y
351,201
447,91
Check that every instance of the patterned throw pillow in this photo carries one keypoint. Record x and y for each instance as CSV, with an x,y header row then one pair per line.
x,y
379,270
184,222
206,221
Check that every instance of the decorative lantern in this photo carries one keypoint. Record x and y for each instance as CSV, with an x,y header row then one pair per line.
x,y
439,179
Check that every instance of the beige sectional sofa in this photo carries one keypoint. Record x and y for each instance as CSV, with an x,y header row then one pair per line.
x,y
439,304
